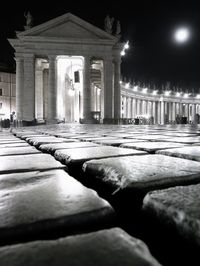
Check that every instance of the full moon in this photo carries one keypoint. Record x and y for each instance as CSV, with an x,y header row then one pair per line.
x,y
182,35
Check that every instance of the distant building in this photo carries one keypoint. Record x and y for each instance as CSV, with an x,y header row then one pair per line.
x,y
7,92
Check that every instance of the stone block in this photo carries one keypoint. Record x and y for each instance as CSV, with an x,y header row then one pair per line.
x,y
51,148
36,205
18,151
32,162
105,247
131,177
151,147
188,152
74,158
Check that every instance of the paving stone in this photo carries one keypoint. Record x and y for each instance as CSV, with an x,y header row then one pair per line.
x,y
74,158
106,247
24,132
114,142
186,140
133,176
32,162
151,147
150,137
18,151
51,148
37,141
26,136
177,207
7,141
15,144
35,202
191,153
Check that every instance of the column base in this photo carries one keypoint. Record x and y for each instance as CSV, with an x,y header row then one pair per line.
x,y
89,121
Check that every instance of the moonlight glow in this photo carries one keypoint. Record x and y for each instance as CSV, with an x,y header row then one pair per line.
x,y
182,35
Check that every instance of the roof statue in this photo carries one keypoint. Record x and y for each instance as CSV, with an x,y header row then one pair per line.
x,y
118,29
108,24
29,20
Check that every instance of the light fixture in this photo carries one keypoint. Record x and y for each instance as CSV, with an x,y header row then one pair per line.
x,y
167,93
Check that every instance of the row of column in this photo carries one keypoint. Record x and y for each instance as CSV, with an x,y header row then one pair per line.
x,y
25,88
161,111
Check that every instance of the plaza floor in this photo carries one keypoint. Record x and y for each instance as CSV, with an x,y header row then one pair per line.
x,y
73,194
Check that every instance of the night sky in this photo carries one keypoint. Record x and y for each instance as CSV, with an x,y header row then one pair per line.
x,y
153,57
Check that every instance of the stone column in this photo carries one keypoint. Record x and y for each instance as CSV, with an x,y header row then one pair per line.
x,y
29,88
170,112
117,89
134,111
108,88
87,91
158,112
19,87
39,93
154,112
138,107
52,91
162,113
124,105
181,110
174,112
194,113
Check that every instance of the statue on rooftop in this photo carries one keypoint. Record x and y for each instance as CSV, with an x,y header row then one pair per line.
x,y
29,20
108,24
118,30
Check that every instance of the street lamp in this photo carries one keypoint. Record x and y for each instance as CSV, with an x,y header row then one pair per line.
x,y
126,46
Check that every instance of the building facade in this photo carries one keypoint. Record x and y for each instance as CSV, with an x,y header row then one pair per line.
x,y
7,94
68,70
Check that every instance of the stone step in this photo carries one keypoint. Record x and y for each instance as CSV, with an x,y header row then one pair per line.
x,y
37,205
105,247
32,162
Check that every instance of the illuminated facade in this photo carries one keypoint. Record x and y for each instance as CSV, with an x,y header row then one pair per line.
x,y
67,70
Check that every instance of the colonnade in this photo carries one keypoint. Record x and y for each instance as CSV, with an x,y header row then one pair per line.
x,y
159,109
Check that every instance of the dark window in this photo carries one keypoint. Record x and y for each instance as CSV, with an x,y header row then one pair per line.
x,y
0,105
1,92
76,77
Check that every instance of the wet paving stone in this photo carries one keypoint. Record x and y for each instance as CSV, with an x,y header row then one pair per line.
x,y
186,140
191,153
18,151
74,158
15,144
51,148
114,142
131,177
32,162
37,141
105,247
37,204
151,147
174,215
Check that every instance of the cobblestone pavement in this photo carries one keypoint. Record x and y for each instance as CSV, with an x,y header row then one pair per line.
x,y
100,195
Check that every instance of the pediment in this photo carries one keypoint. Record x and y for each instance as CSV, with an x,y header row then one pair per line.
x,y
68,26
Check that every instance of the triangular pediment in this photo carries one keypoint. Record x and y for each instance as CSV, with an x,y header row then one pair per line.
x,y
68,26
